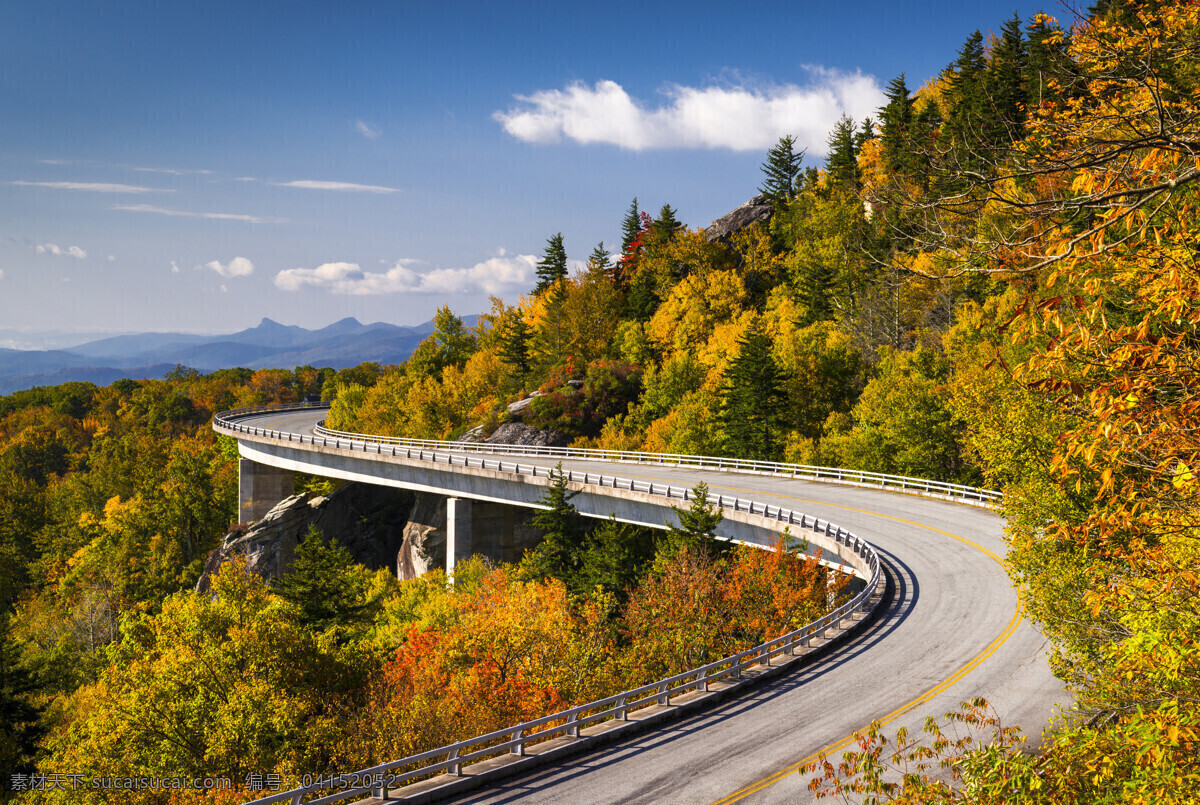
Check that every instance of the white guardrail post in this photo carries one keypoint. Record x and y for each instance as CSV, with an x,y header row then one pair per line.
x,y
516,739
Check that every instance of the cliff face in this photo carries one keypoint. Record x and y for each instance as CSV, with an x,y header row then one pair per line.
x,y
755,210
369,521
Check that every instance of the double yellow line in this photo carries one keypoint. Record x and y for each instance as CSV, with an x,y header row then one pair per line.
x,y
742,793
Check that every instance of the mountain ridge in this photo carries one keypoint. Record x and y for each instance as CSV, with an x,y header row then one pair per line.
x,y
267,345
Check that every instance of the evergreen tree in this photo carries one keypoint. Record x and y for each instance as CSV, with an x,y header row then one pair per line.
x,y
599,259
695,527
865,133
614,559
1048,69
781,170
631,226
559,554
752,399
552,268
323,585
842,162
20,730
514,344
968,109
1005,86
896,121
665,224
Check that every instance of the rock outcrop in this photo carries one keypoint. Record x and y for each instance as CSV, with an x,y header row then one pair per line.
x,y
522,434
423,546
754,210
369,521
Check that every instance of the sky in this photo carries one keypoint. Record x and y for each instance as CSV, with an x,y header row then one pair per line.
x,y
170,166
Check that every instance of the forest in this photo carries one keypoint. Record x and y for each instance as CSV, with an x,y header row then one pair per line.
x,y
994,281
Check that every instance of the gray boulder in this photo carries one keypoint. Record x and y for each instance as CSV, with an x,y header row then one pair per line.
x,y
755,210
527,435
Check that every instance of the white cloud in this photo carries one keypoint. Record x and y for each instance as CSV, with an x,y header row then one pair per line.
x,y
1,273
70,251
221,216
224,289
112,257
311,184
494,276
237,267
93,187
366,129
171,171
738,118
174,267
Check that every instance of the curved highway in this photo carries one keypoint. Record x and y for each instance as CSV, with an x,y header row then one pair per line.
x,y
951,630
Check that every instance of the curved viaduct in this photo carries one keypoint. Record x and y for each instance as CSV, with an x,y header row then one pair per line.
x,y
950,629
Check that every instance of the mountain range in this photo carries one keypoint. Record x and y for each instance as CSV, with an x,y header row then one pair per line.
x,y
268,345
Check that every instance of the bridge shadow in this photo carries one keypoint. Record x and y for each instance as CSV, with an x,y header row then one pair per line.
x,y
899,603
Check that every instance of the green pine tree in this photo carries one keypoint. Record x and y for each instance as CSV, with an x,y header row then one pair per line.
x,y
631,226
1049,73
514,344
600,259
695,527
559,554
324,585
781,171
552,268
752,399
842,162
1005,86
896,122
665,225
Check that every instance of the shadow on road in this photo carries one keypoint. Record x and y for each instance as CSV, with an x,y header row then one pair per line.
x,y
899,602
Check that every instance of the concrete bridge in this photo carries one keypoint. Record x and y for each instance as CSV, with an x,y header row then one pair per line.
x,y
950,627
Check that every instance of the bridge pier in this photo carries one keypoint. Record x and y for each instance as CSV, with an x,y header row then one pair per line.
x,y
260,488
458,532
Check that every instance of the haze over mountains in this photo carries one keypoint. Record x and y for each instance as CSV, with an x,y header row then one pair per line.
x,y
268,345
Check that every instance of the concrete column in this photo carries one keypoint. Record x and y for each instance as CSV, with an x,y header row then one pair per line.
x,y
458,532
260,488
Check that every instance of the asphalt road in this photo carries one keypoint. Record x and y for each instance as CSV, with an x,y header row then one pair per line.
x,y
951,631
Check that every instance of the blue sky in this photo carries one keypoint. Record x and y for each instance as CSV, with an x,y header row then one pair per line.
x,y
197,166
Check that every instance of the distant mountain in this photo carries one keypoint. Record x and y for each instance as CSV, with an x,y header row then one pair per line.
x,y
268,345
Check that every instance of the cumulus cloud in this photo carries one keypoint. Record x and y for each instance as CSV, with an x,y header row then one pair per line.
x,y
311,184
220,216
174,267
92,187
366,129
738,118
237,267
70,251
494,276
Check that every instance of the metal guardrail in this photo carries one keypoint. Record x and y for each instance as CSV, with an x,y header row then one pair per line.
x,y
959,492
516,739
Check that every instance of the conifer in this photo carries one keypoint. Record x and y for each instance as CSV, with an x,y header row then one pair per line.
x,y
552,268
752,399
781,170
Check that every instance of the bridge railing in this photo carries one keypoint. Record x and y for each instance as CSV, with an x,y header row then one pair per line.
x,y
381,779
958,492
